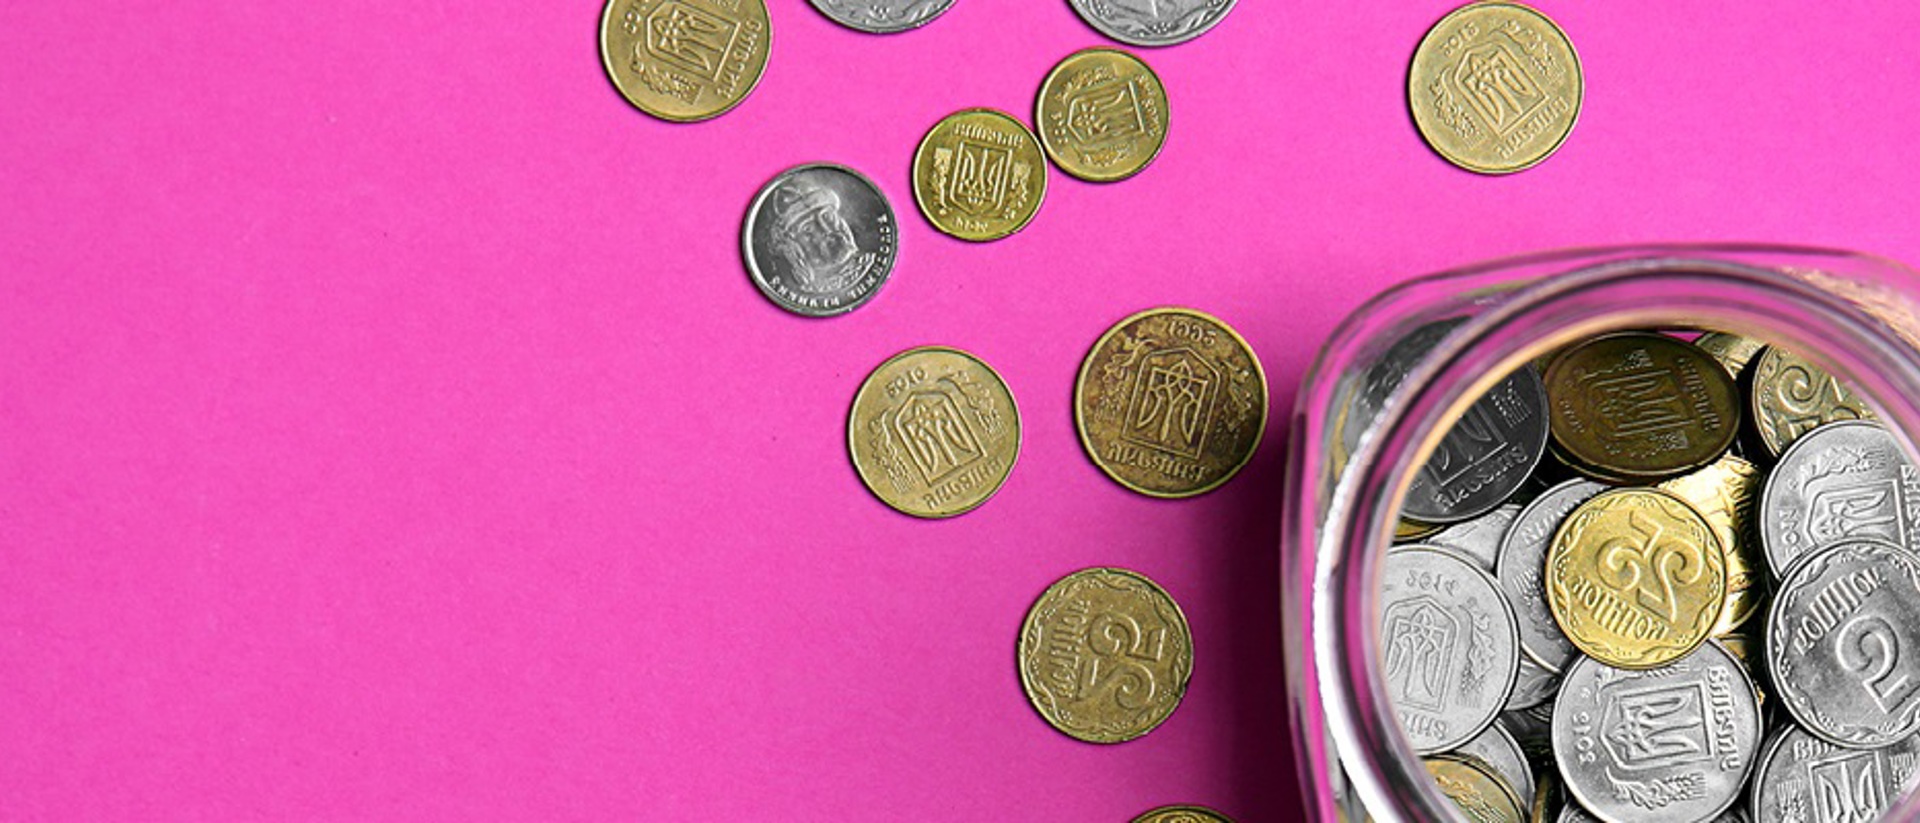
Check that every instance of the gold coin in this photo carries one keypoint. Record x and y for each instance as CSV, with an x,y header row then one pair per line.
x,y
933,432
1792,396
978,175
1725,493
1105,655
1479,793
1102,115
1183,814
1636,578
1732,350
1640,406
1405,530
685,60
1170,402
1495,87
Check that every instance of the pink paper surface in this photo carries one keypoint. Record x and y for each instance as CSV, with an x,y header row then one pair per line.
x,y
389,430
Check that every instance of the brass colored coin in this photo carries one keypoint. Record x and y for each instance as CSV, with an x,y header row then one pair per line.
x,y
1495,87
1725,493
1170,402
1481,795
978,175
1636,578
1413,530
1732,350
1105,655
1102,115
1792,396
1183,814
685,60
1640,406
933,432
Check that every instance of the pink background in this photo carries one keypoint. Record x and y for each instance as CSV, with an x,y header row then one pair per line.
x,y
389,431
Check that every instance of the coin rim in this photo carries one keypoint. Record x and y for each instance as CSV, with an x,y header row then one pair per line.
x,y
1079,416
1099,26
753,267
1579,103
920,151
1047,146
1027,627
829,15
1019,432
613,77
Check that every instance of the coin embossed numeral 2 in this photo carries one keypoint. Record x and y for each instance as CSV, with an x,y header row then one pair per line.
x,y
1118,645
1649,570
1868,646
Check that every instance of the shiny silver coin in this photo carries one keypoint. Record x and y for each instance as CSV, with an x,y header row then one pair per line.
x,y
1152,22
1572,813
1479,538
1535,684
1839,481
1521,566
1672,743
1486,456
1450,647
1843,643
1497,748
820,240
881,16
1803,779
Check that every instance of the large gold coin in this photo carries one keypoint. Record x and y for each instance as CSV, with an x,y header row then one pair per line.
x,y
1495,87
685,60
1792,396
1102,115
1479,793
933,432
1105,655
1725,493
1183,814
978,175
1640,407
1636,578
1170,402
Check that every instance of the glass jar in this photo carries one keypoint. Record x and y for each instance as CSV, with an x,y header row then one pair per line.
x,y
1351,462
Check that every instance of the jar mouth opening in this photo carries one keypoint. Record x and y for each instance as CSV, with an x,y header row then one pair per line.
x,y
1806,311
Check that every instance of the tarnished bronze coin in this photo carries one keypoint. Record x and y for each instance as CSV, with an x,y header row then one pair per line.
x,y
1636,578
979,175
1105,655
933,432
1792,396
1725,493
1641,407
1183,814
1733,351
1102,115
1472,786
1170,402
1495,87
685,60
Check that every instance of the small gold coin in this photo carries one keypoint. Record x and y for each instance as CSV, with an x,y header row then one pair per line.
x,y
1183,814
1495,87
1102,115
1170,402
1725,493
1636,578
978,175
1105,655
1792,396
933,432
1479,793
1732,350
685,60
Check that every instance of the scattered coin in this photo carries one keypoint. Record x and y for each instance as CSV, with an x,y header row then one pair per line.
x,y
1842,480
685,60
1170,402
978,175
1641,406
1521,569
1105,655
933,432
1183,814
1840,641
820,240
882,16
1635,578
1152,22
1451,647
1803,779
1792,396
1472,786
1495,87
1485,456
1725,493
1102,115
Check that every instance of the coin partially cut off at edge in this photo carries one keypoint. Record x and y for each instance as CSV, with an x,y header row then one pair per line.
x,y
698,76
882,16
1152,24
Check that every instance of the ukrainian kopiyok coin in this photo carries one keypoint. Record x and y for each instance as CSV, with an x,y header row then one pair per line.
x,y
1803,779
1406,530
1152,22
1367,396
1725,493
1733,351
1479,793
1792,396
881,16
685,60
1842,480
1495,87
933,432
1521,569
1450,646
1170,402
820,240
1479,538
1183,814
979,175
1497,749
1672,743
1535,685
1636,578
1105,655
1102,115
1572,813
1843,643
1485,456
1641,406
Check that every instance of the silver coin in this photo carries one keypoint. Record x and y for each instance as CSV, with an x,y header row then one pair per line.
x,y
882,16
1803,779
1450,645
1479,538
1497,748
1675,742
1521,569
1486,456
1843,643
820,240
1535,684
1152,22
1572,813
1841,480
1533,730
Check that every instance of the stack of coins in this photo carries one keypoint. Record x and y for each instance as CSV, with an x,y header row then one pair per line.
x,y
1656,577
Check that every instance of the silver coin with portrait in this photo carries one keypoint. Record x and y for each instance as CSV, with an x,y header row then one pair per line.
x,y
1152,22
820,240
881,16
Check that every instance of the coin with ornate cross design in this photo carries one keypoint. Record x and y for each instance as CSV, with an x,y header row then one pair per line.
x,y
1105,655
1102,115
1495,87
933,432
979,175
685,60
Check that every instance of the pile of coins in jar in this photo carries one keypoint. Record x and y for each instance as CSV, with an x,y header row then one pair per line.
x,y
1657,577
